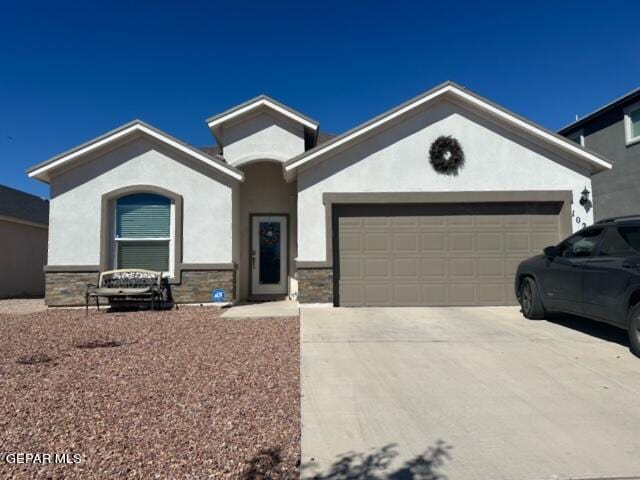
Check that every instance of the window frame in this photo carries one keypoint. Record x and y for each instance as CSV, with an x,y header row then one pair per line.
x,y
171,239
628,126
580,135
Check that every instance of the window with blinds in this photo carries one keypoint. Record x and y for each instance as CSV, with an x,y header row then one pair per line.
x,y
143,232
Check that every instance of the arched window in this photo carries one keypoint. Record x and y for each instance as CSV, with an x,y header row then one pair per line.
x,y
143,232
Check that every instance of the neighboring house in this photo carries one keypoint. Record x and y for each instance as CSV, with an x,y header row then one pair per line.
x,y
24,220
359,219
613,131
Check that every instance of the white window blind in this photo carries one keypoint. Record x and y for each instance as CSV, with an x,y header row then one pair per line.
x,y
143,232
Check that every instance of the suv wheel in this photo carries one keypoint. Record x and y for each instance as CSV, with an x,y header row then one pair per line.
x,y
530,300
634,330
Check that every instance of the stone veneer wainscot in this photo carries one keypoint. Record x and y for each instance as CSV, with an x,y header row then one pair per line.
x,y
68,288
315,285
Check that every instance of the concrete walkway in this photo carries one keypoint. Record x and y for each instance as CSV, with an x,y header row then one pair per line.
x,y
284,308
506,397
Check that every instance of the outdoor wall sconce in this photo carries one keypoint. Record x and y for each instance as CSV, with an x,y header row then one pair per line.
x,y
584,199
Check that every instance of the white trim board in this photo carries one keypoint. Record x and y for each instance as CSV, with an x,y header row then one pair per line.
x,y
258,103
41,171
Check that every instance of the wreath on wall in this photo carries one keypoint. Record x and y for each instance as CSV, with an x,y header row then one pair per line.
x,y
269,235
446,155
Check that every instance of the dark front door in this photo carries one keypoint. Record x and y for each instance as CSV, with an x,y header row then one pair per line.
x,y
269,254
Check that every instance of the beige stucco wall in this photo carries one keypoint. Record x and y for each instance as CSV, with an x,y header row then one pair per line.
x,y
262,136
76,197
265,191
23,254
397,160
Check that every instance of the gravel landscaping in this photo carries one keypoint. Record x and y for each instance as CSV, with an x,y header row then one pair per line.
x,y
174,394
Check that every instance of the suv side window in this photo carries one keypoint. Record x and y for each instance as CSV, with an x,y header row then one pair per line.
x,y
621,242
582,244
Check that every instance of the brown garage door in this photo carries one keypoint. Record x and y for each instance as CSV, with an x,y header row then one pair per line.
x,y
458,254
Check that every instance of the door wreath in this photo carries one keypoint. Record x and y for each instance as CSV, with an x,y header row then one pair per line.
x,y
269,235
446,155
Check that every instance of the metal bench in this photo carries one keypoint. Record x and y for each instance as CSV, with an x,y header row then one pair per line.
x,y
126,284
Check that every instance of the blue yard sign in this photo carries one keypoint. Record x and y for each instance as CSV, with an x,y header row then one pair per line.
x,y
217,295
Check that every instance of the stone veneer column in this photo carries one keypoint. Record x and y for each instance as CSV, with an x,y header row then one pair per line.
x,y
315,285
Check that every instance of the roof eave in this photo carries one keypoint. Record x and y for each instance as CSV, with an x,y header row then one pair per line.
x,y
595,162
42,171
629,97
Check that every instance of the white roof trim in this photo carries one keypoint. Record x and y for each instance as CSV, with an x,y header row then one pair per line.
x,y
263,102
137,127
459,92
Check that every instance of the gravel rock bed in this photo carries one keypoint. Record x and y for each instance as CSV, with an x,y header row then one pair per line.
x,y
174,394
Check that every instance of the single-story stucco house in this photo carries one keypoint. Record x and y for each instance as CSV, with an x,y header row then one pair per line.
x,y
431,203
24,220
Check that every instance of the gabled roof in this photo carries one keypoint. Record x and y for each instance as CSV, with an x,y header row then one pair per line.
x,y
22,206
262,102
592,160
630,97
43,170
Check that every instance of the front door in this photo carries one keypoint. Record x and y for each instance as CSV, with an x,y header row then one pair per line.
x,y
269,254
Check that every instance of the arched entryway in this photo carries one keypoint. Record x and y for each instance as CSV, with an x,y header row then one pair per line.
x,y
267,231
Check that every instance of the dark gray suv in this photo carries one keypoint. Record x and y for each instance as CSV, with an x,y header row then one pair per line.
x,y
594,273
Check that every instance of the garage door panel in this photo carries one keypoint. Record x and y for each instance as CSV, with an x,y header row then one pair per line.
x,y
405,242
460,242
491,294
517,242
460,220
489,242
433,242
433,220
543,220
406,269
406,222
434,268
377,295
438,255
350,243
350,222
489,221
512,266
406,294
352,294
540,240
490,268
462,268
376,222
435,295
351,269
376,243
463,294
516,220
377,268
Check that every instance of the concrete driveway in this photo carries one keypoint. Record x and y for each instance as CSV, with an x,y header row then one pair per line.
x,y
470,393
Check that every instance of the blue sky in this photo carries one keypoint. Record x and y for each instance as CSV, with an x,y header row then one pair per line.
x,y
70,71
